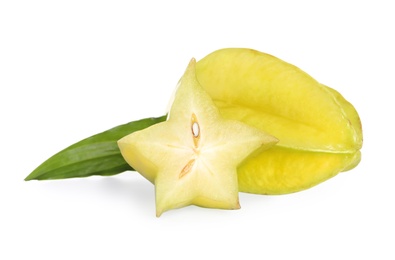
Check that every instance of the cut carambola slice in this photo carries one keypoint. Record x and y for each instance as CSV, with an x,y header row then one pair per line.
x,y
192,158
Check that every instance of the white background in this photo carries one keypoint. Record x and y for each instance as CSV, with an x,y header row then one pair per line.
x,y
70,69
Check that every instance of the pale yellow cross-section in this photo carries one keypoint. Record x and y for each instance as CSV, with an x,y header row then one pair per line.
x,y
192,157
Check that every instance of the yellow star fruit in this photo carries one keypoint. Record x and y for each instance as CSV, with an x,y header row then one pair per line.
x,y
192,158
319,132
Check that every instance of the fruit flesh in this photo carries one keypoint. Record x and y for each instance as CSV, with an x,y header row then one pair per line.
x,y
315,124
192,158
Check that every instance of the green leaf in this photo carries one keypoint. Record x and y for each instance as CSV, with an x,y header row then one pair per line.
x,y
95,155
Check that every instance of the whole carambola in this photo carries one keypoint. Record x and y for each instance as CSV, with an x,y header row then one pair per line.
x,y
319,132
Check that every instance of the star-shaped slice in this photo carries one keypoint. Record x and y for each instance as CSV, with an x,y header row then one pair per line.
x,y
192,158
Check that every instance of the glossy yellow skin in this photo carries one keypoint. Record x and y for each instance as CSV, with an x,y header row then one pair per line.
x,y
319,132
